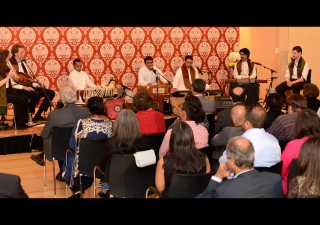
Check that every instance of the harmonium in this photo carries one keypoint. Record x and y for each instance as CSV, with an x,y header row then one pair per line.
x,y
154,89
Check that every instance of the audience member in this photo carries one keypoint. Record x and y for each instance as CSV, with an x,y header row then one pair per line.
x,y
307,183
311,93
198,87
185,75
192,113
221,139
149,74
307,125
283,127
296,74
247,182
66,116
274,104
35,90
182,157
127,139
150,120
238,97
266,146
8,95
10,186
97,126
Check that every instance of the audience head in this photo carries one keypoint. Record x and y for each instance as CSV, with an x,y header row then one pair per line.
x,y
309,165
142,101
96,105
307,124
255,117
68,94
310,90
191,109
126,124
296,102
198,85
274,102
238,95
240,153
187,158
237,114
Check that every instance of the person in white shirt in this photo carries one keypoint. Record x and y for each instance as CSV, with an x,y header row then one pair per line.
x,y
78,78
149,74
185,75
244,67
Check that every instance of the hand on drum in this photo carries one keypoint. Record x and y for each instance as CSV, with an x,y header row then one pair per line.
x,y
174,90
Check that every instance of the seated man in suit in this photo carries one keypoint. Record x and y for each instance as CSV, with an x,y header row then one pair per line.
x,y
247,182
67,116
198,87
10,186
238,97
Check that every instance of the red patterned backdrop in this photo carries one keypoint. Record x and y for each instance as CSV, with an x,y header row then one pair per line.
x,y
119,51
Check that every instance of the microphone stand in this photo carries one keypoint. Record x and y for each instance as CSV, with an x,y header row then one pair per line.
x,y
124,94
169,84
50,102
270,85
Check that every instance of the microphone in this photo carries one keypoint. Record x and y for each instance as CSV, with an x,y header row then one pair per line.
x,y
199,70
155,72
110,81
256,63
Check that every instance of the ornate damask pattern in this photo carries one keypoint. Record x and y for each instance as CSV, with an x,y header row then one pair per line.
x,y
118,52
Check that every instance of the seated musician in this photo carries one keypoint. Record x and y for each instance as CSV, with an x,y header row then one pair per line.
x,y
244,67
80,79
149,74
185,76
32,89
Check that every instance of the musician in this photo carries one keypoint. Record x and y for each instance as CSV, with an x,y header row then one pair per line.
x,y
149,74
20,101
185,75
33,90
244,67
296,74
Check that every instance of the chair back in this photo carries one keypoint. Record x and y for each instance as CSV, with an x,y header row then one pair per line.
x,y
188,185
60,141
283,143
89,156
209,150
126,180
309,76
156,141
293,171
276,168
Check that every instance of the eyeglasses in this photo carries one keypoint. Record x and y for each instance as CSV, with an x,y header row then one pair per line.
x,y
180,106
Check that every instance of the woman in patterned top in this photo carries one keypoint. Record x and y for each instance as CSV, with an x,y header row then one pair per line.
x,y
97,126
307,183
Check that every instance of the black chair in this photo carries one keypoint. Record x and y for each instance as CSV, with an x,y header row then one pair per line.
x,y
309,76
276,168
211,129
60,144
209,150
89,160
293,171
156,141
126,180
185,185
283,143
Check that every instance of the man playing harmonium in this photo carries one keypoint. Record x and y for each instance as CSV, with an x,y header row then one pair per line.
x,y
149,74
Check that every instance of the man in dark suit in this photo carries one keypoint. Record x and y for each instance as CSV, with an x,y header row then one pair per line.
x,y
247,182
198,87
238,97
67,116
10,186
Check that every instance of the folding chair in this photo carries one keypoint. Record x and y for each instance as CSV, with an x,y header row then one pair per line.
x,y
276,168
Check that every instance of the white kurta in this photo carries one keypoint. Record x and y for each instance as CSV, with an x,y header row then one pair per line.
x,y
146,76
80,80
244,71
178,81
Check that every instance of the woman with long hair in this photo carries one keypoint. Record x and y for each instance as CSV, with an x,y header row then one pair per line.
x,y
182,157
307,125
307,183
127,139
7,95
